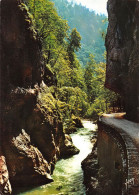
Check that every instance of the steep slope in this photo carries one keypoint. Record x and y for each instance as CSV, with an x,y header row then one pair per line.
x,y
89,24
31,132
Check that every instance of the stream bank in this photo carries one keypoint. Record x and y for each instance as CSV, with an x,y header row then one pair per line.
x,y
68,174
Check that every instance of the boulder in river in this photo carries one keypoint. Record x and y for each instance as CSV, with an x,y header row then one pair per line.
x,y
68,148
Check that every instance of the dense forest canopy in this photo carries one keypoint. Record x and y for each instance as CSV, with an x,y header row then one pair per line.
x,y
79,91
90,25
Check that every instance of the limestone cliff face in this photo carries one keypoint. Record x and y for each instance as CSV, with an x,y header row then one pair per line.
x,y
31,133
122,44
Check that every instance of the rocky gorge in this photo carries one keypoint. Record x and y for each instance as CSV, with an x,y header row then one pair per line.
x,y
32,137
31,131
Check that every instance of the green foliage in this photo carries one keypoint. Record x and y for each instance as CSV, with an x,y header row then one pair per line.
x,y
73,45
47,102
100,98
59,49
28,19
50,27
75,99
89,24
79,91
71,124
74,40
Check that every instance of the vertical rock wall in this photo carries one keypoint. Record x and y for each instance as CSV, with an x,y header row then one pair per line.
x,y
112,167
21,76
122,44
31,134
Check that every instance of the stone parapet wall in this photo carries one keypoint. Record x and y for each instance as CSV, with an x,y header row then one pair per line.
x,y
113,133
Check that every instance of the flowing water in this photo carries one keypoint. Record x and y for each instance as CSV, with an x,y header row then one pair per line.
x,y
68,174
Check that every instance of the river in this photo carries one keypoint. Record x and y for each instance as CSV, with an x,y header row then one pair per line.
x,y
68,174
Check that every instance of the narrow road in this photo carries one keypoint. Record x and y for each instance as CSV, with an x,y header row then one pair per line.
x,y
129,127
129,131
